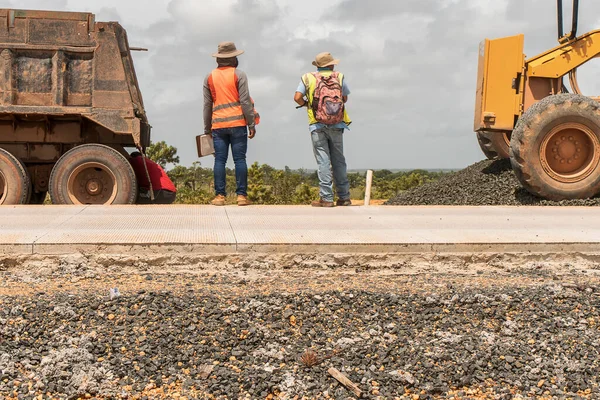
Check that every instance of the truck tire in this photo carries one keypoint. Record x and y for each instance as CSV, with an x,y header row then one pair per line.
x,y
15,185
93,174
495,145
555,148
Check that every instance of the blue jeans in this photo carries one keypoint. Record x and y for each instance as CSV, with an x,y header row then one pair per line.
x,y
237,138
328,146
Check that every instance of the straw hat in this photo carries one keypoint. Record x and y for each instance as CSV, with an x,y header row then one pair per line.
x,y
227,50
325,60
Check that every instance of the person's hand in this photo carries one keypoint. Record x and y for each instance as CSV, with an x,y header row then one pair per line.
x,y
251,132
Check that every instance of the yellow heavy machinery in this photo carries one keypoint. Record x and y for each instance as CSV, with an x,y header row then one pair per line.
x,y
525,112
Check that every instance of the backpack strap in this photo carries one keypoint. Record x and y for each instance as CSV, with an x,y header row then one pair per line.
x,y
341,79
307,87
336,75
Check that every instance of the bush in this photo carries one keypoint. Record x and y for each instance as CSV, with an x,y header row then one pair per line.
x,y
305,194
385,188
267,185
187,195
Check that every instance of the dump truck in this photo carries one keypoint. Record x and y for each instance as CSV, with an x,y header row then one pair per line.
x,y
526,111
70,106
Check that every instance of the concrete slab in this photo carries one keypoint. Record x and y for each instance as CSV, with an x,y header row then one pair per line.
x,y
16,249
143,225
443,225
306,225
424,225
208,230
26,224
148,249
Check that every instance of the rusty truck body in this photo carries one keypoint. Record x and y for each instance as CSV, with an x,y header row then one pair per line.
x,y
70,104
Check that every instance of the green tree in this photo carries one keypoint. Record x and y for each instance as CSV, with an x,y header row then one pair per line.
x,y
258,191
305,194
356,180
268,185
178,175
382,174
194,184
283,186
386,188
162,153
186,195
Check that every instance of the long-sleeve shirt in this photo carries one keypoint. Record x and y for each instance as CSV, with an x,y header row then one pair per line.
x,y
245,101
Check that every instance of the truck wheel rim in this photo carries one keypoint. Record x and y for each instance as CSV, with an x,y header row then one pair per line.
x,y
3,189
92,183
570,152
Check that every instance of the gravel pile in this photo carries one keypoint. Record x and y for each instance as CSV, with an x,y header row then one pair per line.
x,y
484,183
460,341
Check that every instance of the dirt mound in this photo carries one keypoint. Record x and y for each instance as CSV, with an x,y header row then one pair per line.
x,y
486,183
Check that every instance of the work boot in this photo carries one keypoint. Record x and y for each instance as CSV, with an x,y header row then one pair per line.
x,y
343,203
219,200
243,201
322,203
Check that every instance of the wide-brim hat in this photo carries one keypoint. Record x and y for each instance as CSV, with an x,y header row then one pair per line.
x,y
325,60
227,50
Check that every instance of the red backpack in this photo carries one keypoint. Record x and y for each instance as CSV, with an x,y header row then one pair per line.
x,y
328,103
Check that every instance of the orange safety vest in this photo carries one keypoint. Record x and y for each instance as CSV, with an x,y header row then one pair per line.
x,y
227,109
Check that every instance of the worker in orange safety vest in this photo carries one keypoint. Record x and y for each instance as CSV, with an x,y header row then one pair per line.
x,y
230,117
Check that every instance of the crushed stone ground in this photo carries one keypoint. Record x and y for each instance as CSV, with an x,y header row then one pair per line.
x,y
484,183
408,327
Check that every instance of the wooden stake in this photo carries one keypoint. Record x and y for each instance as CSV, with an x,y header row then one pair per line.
x,y
368,187
345,381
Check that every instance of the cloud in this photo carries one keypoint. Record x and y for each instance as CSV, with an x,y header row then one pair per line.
x,y
411,65
376,10
213,21
38,4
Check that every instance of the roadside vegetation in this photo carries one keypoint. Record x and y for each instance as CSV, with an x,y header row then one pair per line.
x,y
268,185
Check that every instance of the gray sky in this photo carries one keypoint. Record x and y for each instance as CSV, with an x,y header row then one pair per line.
x,y
411,66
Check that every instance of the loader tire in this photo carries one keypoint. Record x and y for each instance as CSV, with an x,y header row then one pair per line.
x,y
555,148
15,184
495,145
93,174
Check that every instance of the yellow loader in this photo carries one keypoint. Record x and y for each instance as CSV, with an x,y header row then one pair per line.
x,y
525,112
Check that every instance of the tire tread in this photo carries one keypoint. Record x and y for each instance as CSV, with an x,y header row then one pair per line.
x,y
23,174
526,132
55,191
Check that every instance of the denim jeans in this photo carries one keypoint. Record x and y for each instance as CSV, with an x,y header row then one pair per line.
x,y
237,138
328,146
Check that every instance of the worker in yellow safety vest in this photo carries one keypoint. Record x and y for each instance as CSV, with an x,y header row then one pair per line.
x,y
325,93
